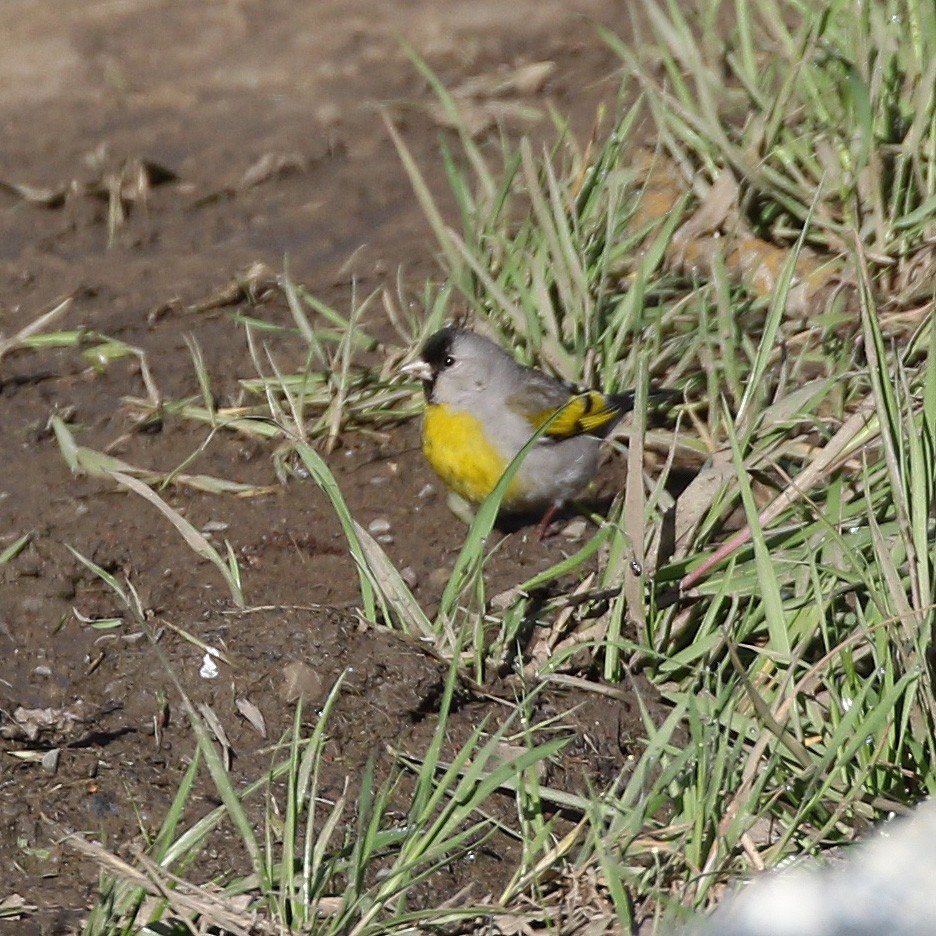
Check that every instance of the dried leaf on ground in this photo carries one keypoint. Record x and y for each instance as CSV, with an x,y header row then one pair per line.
x,y
272,166
252,714
31,724
14,907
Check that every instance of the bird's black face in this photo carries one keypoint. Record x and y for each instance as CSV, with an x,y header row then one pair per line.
x,y
437,353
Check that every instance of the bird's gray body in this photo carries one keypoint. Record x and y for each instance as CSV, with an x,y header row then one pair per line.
x,y
510,401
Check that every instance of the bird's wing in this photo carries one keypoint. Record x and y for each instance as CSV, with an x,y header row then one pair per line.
x,y
579,412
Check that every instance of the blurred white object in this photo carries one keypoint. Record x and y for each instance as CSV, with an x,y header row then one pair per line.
x,y
885,887
209,669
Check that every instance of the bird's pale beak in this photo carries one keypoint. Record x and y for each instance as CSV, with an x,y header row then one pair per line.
x,y
418,369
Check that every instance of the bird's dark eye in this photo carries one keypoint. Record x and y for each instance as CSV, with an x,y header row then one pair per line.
x,y
449,361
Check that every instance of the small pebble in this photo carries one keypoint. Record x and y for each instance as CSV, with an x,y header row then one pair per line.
x,y
378,526
385,538
575,529
42,671
438,578
427,490
502,601
408,574
50,760
300,679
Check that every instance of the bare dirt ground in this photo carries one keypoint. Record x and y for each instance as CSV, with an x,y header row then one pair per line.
x,y
208,90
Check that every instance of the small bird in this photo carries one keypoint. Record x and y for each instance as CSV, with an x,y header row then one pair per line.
x,y
482,407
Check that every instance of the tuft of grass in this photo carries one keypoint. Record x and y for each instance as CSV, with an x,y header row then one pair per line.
x,y
311,867
81,459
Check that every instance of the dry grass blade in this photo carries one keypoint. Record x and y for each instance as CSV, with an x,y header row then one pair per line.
x,y
249,421
199,643
695,502
97,464
553,858
423,194
635,510
45,197
192,537
389,583
248,286
859,429
217,729
33,328
187,901
544,649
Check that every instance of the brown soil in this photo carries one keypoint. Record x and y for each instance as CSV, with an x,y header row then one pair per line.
x,y
207,90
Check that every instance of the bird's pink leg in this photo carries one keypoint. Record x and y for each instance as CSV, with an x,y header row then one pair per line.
x,y
543,526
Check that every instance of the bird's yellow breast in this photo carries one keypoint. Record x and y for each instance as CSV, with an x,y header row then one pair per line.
x,y
455,444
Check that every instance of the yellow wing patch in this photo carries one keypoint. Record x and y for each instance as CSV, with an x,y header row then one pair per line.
x,y
584,413
455,445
